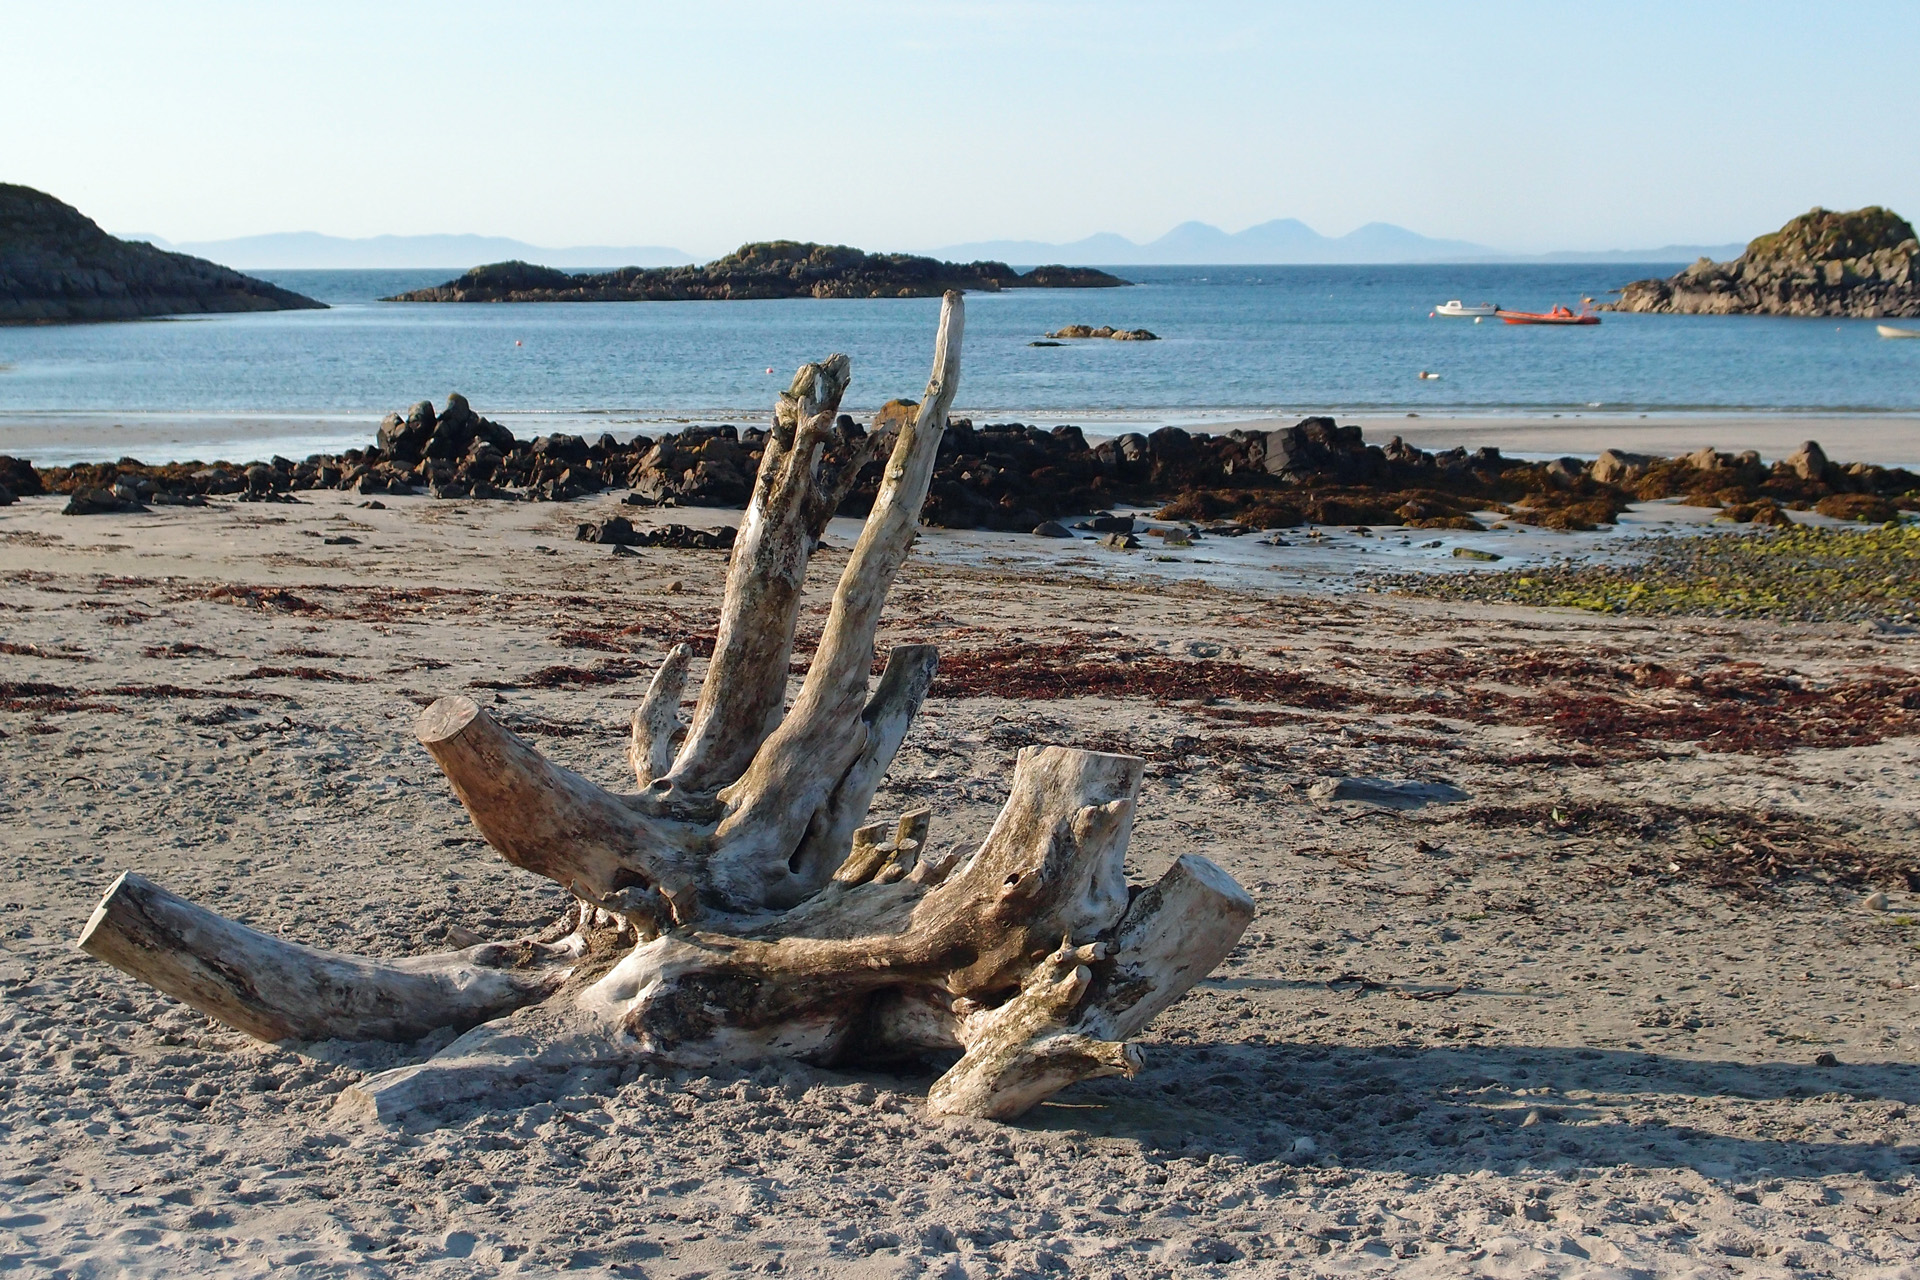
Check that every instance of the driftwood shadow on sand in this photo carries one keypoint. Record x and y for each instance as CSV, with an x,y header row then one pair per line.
x,y
1457,1109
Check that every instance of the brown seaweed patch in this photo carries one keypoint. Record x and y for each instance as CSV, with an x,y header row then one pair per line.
x,y
1043,672
179,649
38,696
318,674
1722,848
268,599
565,677
170,691
37,651
1737,709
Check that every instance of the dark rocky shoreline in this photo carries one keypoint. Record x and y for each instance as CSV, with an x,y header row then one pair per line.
x,y
771,269
1011,476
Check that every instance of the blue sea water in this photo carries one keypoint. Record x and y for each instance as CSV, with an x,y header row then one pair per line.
x,y
1252,340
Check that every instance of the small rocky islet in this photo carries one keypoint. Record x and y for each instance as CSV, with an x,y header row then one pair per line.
x,y
1863,264
768,269
58,266
1076,331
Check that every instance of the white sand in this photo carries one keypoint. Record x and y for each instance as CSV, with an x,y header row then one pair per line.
x,y
1624,1085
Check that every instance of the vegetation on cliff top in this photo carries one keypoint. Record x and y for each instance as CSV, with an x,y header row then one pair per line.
x,y
769,269
56,264
1865,263
1822,235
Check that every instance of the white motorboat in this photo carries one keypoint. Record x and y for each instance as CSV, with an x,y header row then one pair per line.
x,y
1894,331
1459,308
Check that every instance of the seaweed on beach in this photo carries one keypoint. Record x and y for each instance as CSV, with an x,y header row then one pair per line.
x,y
18,650
565,677
302,673
265,599
179,649
38,696
1721,848
1738,709
1803,573
1034,672
173,691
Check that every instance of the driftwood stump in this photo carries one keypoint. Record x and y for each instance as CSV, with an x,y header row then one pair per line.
x,y
740,905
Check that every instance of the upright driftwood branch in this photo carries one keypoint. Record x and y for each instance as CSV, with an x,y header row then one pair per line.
x,y
657,719
793,775
745,903
746,684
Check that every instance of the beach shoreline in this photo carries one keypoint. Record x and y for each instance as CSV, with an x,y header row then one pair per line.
x,y
53,438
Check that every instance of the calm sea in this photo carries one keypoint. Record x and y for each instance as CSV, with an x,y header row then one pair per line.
x,y
1236,341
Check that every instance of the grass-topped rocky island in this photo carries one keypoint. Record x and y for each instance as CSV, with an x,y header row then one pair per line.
x,y
770,269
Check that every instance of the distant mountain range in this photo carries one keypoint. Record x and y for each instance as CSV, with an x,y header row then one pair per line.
x,y
1284,240
310,250
1288,240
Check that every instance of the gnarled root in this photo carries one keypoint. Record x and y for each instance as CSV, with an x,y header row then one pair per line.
x,y
760,911
1022,1052
279,990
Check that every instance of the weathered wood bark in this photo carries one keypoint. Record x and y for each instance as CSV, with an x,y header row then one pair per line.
x,y
279,990
743,904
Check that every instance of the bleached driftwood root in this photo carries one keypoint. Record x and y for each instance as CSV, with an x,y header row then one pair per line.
x,y
741,905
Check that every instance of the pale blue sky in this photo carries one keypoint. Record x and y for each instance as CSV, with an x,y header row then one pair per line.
x,y
701,124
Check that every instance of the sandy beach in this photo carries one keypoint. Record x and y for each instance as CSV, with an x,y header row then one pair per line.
x,y
1548,1002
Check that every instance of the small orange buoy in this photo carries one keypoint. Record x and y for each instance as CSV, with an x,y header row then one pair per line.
x,y
769,368
516,342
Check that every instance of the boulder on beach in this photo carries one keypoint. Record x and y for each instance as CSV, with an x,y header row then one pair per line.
x,y
1809,462
102,502
1616,467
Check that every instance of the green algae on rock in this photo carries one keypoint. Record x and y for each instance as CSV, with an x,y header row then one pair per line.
x,y
1806,573
1821,263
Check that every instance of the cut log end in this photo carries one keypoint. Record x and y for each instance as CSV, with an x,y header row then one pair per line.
x,y
445,719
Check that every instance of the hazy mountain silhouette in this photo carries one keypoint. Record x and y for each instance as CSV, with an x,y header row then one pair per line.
x,y
310,250
1289,240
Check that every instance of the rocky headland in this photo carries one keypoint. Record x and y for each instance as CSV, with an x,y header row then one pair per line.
x,y
773,269
1860,264
57,265
1012,476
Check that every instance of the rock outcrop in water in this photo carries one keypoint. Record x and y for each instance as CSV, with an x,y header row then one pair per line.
x,y
1105,331
1865,264
775,269
57,265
